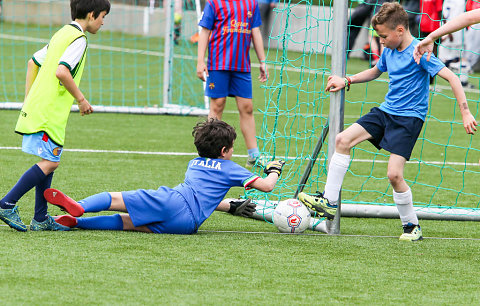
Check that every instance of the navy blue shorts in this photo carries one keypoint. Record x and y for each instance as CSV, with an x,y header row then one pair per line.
x,y
395,134
225,83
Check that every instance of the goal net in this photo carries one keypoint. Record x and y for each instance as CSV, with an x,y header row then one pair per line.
x,y
143,60
443,172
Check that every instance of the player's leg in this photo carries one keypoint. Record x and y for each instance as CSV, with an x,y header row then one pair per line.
x,y
340,160
128,225
40,145
42,221
399,139
247,125
95,203
326,204
48,167
117,222
402,196
102,201
217,105
217,89
240,87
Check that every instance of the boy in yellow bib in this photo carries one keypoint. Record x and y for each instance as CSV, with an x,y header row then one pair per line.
x,y
53,77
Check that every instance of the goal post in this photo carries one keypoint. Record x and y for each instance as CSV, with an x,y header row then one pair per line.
x,y
337,99
132,66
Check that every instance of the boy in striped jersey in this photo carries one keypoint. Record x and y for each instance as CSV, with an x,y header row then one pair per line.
x,y
53,76
227,28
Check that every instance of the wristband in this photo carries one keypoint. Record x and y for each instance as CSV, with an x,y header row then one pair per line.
x,y
348,82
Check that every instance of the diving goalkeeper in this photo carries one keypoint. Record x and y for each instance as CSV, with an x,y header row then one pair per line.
x,y
179,210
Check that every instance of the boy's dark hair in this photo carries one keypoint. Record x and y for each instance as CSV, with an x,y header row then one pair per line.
x,y
391,14
80,8
211,136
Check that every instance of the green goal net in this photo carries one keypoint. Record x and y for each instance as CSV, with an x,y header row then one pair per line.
x,y
443,172
142,60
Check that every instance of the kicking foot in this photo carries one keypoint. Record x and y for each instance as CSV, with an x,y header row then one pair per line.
x,y
411,232
66,220
318,204
56,197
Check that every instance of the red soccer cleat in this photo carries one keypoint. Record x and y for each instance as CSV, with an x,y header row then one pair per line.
x,y
56,197
66,220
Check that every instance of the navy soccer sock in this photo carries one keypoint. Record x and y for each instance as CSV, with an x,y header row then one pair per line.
x,y
32,177
105,223
97,202
41,207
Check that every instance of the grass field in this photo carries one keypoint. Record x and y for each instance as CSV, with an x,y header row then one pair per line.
x,y
231,260
235,260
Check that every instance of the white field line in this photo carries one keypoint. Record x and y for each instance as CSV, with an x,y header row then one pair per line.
x,y
323,235
326,235
236,155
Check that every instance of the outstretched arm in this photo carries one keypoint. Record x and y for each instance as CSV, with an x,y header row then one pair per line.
x,y
258,45
335,83
469,122
202,70
457,23
273,170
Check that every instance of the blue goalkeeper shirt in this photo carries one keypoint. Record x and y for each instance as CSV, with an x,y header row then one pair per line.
x,y
207,181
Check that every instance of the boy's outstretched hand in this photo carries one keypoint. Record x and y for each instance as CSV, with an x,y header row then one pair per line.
x,y
335,83
243,208
426,45
274,167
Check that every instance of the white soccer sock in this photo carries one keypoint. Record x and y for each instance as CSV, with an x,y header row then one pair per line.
x,y
404,202
336,172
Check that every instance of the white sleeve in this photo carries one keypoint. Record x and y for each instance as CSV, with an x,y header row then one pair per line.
x,y
73,54
40,55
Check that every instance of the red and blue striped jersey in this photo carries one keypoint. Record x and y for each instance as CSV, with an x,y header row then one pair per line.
x,y
231,23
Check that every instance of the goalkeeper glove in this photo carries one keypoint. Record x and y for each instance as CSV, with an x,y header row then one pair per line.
x,y
244,208
274,167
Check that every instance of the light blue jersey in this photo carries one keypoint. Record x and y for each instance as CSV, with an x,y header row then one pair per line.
x,y
409,82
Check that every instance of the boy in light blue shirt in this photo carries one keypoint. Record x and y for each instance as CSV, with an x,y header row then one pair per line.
x,y
396,124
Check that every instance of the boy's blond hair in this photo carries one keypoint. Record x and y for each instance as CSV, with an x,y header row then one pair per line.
x,y
391,14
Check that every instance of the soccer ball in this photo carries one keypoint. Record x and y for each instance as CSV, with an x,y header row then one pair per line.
x,y
291,216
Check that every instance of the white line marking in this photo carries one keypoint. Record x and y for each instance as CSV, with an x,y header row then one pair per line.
x,y
326,235
242,156
314,234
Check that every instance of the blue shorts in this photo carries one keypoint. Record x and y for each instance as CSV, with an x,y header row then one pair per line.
x,y
41,145
395,134
163,211
225,83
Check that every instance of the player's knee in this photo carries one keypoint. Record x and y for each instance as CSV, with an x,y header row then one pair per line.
x,y
48,166
342,143
394,177
246,110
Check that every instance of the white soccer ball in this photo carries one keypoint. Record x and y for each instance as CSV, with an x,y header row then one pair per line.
x,y
291,216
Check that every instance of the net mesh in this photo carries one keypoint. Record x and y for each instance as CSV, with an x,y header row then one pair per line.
x,y
443,171
125,61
